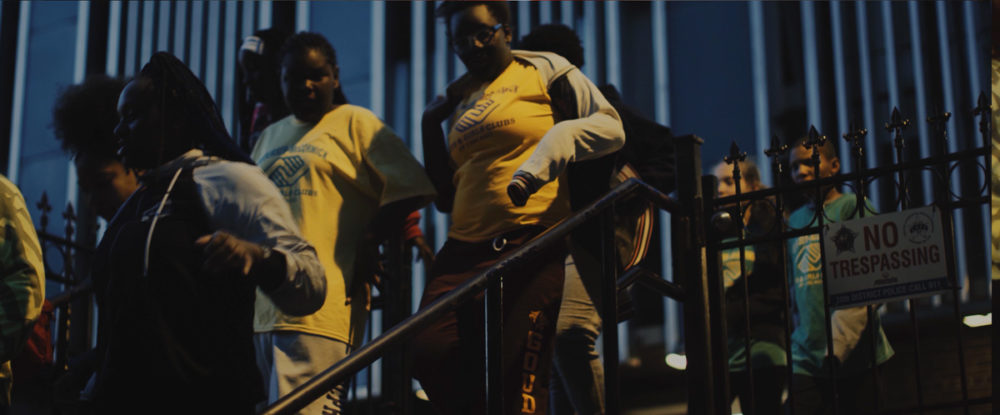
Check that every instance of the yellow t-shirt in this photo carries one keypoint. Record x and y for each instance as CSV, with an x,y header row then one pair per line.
x,y
335,174
492,132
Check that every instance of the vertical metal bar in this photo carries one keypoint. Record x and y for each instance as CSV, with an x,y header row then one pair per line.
x,y
612,44
590,40
377,64
868,100
840,82
114,37
689,262
776,152
889,42
609,315
265,12
661,92
718,348
211,75
375,370
948,91
131,38
397,369
148,21
302,15
79,69
916,49
566,14
544,12
20,75
904,204
811,63
612,64
495,404
418,75
230,41
977,75
741,228
181,28
523,18
758,60
249,16
820,215
440,82
956,306
196,40
163,28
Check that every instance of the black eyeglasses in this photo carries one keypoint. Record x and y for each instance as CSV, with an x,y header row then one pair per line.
x,y
483,36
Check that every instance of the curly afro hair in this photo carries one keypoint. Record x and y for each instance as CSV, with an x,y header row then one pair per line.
x,y
85,116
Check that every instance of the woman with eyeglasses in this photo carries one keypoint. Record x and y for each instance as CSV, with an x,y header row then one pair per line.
x,y
500,174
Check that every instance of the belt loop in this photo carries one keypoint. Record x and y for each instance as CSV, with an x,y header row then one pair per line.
x,y
499,243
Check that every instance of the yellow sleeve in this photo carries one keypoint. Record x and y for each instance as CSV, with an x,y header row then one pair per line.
x,y
399,175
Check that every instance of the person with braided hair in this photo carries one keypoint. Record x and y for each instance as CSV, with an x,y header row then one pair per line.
x,y
178,265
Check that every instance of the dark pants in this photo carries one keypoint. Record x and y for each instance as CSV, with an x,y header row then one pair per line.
x,y
768,384
856,394
450,355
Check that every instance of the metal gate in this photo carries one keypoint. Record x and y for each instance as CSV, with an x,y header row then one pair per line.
x,y
928,334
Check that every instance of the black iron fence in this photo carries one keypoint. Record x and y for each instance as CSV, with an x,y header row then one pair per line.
x,y
912,183
697,245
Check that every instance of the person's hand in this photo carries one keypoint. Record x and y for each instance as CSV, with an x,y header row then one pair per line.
x,y
223,252
424,250
520,188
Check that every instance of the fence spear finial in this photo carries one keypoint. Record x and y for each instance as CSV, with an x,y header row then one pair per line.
x,y
939,121
775,152
855,136
735,154
896,125
815,138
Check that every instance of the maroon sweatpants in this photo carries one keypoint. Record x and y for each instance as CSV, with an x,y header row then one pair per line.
x,y
450,355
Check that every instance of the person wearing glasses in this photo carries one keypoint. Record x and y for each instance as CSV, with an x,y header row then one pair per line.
x,y
501,175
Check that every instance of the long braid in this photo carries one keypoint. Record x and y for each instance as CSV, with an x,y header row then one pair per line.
x,y
186,97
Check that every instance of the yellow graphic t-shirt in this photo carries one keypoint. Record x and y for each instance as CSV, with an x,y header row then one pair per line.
x,y
492,132
335,174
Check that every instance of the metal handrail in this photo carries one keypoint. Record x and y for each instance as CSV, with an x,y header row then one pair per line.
x,y
408,328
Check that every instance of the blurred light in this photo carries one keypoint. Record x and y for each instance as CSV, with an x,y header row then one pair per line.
x,y
677,361
978,320
422,395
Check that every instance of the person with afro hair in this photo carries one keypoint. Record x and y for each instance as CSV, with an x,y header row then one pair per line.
x,y
84,119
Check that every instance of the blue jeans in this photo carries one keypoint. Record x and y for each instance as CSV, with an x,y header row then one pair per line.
x,y
578,375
